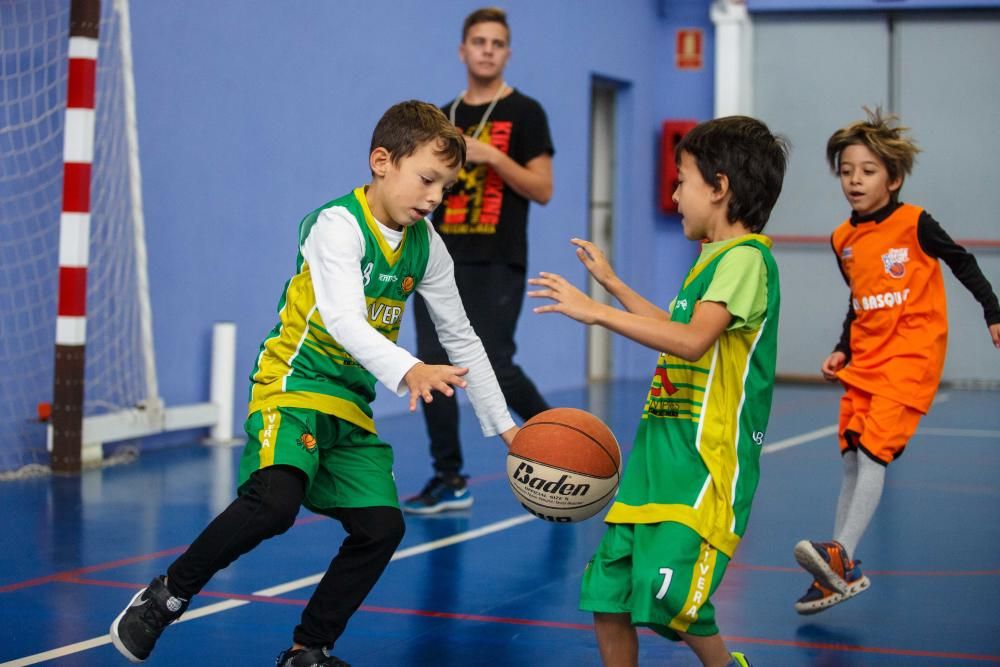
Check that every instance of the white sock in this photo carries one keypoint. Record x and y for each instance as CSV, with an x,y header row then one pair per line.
x,y
846,489
864,501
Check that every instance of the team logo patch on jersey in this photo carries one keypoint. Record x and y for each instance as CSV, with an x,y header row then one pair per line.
x,y
847,258
307,441
895,261
407,285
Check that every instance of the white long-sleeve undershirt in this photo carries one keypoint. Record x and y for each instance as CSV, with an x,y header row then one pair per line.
x,y
334,249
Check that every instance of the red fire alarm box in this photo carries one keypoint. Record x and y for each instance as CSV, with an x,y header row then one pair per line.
x,y
673,132
689,49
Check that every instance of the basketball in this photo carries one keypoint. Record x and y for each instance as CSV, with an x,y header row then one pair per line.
x,y
564,465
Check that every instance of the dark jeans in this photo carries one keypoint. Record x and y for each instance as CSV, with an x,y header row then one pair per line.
x,y
492,295
266,507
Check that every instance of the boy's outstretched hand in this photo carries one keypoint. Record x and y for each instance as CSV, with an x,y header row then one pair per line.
x,y
832,364
595,261
995,335
569,300
423,378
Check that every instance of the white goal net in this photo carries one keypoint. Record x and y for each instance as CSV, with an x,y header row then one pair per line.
x,y
119,370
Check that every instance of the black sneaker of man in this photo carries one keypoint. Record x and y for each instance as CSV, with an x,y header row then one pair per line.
x,y
135,631
308,657
444,491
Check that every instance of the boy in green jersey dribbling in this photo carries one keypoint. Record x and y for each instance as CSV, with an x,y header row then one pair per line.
x,y
686,491
311,434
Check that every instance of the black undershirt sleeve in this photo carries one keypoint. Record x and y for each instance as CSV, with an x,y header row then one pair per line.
x,y
937,243
844,344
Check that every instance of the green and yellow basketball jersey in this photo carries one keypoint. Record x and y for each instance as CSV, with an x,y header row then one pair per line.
x,y
300,365
696,455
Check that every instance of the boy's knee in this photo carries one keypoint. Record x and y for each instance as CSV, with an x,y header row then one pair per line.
x,y
279,514
379,526
388,531
276,496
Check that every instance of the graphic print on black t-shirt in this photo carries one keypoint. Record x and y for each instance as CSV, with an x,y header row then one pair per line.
x,y
482,219
475,203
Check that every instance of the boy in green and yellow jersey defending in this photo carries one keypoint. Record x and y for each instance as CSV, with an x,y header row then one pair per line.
x,y
311,435
686,491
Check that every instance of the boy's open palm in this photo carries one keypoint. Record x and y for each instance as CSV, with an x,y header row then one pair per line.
x,y
423,378
569,300
995,335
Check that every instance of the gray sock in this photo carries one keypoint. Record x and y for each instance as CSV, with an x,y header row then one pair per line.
x,y
864,501
846,489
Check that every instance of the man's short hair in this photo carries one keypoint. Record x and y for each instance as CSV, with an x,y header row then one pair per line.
x,y
407,126
752,158
485,15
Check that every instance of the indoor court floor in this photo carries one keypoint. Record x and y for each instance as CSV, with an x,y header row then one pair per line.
x,y
493,585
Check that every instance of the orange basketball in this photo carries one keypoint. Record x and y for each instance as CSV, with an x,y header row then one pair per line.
x,y
564,465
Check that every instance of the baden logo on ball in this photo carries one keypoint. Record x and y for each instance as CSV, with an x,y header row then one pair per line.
x,y
564,465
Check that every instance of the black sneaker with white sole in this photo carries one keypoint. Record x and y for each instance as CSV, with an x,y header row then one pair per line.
x,y
443,492
135,631
308,657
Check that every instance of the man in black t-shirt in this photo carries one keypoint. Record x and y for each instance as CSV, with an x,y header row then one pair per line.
x,y
484,224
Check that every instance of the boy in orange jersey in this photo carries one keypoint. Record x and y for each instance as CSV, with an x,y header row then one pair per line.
x,y
892,349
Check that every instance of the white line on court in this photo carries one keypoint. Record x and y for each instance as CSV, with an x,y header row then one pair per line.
x,y
832,430
277,590
799,439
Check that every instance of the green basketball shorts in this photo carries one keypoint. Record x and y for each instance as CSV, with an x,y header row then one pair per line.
x,y
662,575
347,466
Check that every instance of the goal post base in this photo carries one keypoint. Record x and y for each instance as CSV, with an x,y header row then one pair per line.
x,y
220,442
139,423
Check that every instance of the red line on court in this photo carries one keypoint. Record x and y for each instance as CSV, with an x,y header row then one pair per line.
x,y
882,573
70,575
476,617
207,594
851,648
943,573
506,620
481,479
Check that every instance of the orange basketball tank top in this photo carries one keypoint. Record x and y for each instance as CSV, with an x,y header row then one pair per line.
x,y
900,335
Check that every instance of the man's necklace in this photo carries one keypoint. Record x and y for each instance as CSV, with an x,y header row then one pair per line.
x,y
486,115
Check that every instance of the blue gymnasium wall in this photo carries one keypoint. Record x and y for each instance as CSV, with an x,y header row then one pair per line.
x,y
253,113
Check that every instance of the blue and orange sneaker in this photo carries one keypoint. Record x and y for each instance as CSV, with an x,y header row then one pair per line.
x,y
816,599
827,562
837,577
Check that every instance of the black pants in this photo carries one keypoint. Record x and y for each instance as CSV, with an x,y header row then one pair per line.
x,y
266,507
492,295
